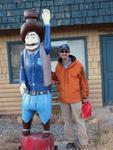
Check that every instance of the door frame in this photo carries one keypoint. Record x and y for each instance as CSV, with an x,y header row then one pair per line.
x,y
102,66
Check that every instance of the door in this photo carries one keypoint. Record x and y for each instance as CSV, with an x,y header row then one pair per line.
x,y
107,68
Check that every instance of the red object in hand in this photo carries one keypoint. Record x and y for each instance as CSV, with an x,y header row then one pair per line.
x,y
35,141
86,110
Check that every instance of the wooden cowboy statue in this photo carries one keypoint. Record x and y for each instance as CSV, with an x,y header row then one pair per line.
x,y
35,71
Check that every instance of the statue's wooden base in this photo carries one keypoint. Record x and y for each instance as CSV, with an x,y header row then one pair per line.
x,y
35,141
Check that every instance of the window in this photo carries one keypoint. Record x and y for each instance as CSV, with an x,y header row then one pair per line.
x,y
77,48
14,50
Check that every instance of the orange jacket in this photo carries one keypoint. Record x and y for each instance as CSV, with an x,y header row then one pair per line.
x,y
72,84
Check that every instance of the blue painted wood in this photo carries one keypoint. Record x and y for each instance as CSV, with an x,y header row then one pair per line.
x,y
107,68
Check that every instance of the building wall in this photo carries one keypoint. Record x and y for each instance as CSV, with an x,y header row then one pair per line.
x,y
10,100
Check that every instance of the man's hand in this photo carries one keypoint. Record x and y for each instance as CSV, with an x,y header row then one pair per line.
x,y
23,88
46,16
85,100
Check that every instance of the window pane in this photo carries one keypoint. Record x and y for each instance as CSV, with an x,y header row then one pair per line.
x,y
77,48
14,55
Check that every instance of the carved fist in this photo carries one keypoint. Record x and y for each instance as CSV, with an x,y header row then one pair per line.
x,y
46,16
23,88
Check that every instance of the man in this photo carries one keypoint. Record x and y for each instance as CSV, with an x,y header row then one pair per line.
x,y
35,71
73,90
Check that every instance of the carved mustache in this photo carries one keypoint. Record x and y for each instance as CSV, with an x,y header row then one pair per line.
x,y
31,44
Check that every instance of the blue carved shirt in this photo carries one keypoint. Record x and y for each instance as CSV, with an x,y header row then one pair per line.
x,y
31,71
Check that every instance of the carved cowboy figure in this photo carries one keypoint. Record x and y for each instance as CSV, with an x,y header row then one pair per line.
x,y
35,71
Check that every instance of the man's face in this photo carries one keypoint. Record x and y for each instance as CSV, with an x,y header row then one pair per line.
x,y
64,54
32,41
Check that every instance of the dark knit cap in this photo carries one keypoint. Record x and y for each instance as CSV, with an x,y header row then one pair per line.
x,y
64,47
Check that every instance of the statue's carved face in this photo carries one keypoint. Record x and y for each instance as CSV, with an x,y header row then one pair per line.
x,y
32,41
